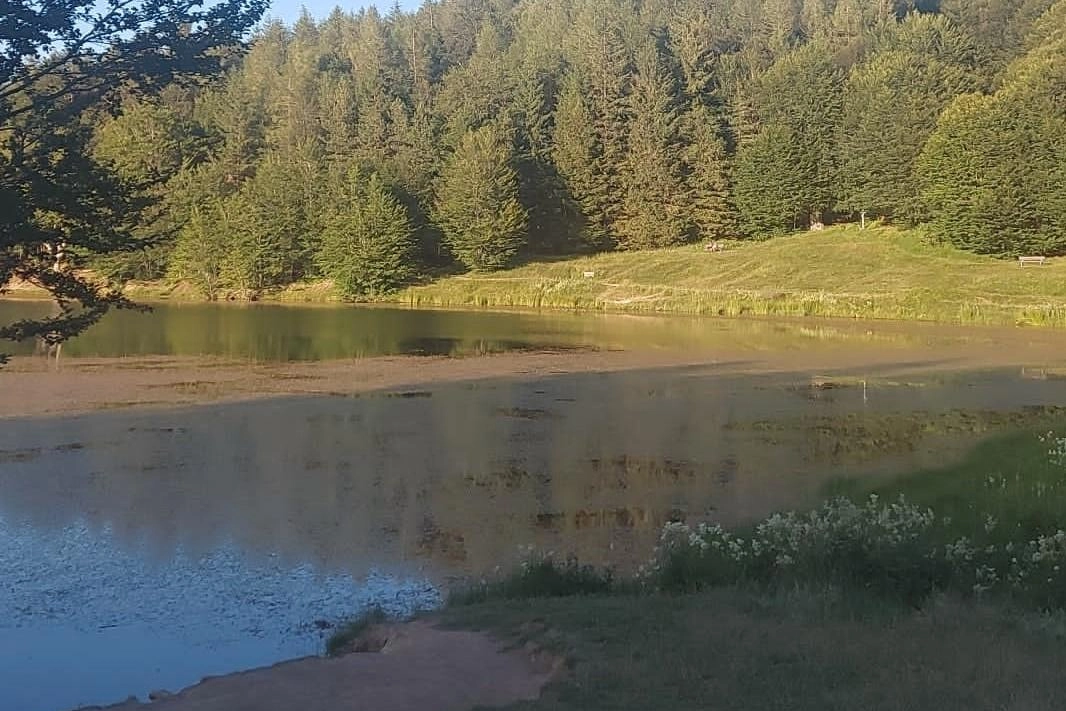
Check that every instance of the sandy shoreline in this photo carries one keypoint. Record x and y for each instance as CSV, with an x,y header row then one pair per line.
x,y
34,387
421,667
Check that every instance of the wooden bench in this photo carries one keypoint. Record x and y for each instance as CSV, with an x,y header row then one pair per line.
x,y
1022,261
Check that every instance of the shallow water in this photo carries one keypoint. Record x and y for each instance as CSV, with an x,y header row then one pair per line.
x,y
286,333
92,615
145,550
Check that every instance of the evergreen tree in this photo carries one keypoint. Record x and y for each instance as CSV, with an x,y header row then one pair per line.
x,y
591,120
554,218
992,172
654,203
579,159
999,25
199,250
266,246
367,242
705,160
768,191
477,206
892,102
799,103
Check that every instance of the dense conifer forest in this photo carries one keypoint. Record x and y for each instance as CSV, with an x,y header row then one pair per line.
x,y
374,147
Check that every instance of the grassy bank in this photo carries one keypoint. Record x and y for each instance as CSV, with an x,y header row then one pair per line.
x,y
1012,486
876,604
841,272
735,650
811,611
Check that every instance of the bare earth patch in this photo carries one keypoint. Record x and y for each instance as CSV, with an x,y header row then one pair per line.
x,y
420,668
32,386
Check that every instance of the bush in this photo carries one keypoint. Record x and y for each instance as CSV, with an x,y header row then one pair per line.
x,y
891,550
883,549
539,576
348,633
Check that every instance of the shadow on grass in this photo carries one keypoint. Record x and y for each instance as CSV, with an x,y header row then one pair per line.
x,y
1010,487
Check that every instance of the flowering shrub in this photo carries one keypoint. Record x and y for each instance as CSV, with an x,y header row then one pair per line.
x,y
687,559
1038,571
1057,452
891,549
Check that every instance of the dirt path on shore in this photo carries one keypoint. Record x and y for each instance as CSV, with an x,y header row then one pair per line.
x,y
421,668
33,386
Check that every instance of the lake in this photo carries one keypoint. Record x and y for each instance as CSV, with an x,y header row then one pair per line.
x,y
263,332
146,549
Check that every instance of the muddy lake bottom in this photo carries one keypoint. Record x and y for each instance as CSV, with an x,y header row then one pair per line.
x,y
146,548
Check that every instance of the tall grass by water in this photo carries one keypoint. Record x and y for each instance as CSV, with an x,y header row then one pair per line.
x,y
992,527
872,602
853,605
1010,487
843,272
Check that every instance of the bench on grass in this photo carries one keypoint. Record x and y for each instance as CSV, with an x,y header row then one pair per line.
x,y
1022,261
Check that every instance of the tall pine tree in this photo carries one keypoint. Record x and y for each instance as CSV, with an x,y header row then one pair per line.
x,y
654,200
477,206
367,243
892,102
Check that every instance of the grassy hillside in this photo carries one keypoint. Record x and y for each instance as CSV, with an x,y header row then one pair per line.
x,y
739,650
841,272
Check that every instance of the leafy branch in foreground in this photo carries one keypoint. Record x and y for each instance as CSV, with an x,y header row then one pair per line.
x,y
59,63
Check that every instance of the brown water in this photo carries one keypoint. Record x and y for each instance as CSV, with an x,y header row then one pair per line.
x,y
145,549
294,333
456,479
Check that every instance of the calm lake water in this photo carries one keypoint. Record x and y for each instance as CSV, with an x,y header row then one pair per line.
x,y
285,333
147,549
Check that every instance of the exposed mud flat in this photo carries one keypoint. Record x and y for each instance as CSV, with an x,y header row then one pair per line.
x,y
237,505
419,667
33,386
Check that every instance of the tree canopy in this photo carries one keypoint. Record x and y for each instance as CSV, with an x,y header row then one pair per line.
x,y
468,134
63,67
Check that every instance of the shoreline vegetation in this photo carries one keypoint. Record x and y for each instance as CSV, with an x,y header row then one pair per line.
x,y
878,603
880,273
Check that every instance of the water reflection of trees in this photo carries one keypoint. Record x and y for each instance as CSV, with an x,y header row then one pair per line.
x,y
460,480
264,332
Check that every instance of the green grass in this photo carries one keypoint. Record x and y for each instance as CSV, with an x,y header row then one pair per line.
x,y
803,636
735,650
1010,477
842,272
537,577
347,634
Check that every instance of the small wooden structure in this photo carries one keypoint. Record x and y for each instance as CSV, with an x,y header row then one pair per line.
x,y
1022,261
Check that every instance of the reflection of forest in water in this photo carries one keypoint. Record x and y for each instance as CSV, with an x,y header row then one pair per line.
x,y
464,475
280,333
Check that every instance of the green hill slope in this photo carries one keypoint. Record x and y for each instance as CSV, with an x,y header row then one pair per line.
x,y
841,272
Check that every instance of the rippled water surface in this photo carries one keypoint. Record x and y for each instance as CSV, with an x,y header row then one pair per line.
x,y
91,616
147,549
